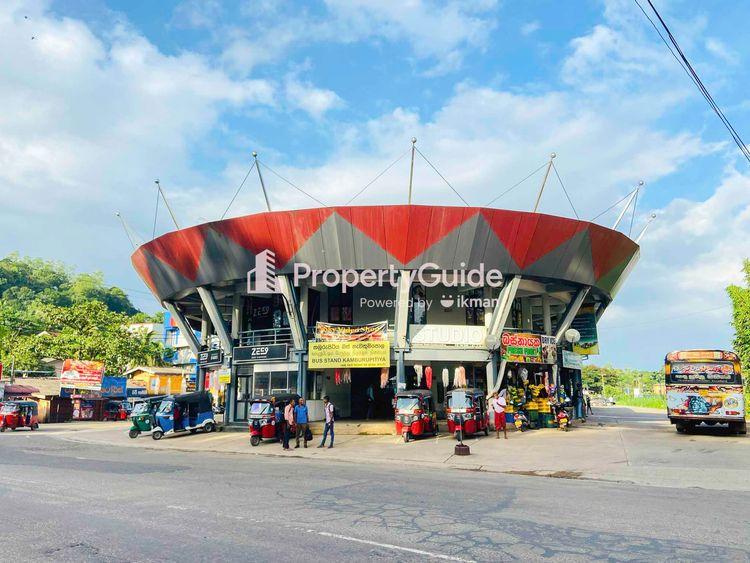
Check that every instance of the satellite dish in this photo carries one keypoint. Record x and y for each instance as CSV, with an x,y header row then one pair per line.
x,y
492,342
572,335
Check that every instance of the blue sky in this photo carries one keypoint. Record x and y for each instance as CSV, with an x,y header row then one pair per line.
x,y
110,95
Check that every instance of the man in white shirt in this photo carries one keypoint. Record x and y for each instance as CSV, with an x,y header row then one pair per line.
x,y
497,404
329,410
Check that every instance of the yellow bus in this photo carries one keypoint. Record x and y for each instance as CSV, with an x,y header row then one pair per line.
x,y
704,386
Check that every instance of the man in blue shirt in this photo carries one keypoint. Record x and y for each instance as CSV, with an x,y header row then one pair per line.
x,y
301,420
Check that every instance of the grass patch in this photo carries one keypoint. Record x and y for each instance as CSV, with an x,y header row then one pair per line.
x,y
652,402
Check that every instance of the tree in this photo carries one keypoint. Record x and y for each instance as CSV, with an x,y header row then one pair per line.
x,y
740,297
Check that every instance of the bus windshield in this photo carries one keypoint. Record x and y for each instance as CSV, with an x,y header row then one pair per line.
x,y
703,373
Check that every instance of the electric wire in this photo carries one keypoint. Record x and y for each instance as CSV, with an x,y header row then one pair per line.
x,y
693,75
514,186
279,176
564,190
455,191
238,190
376,178
615,204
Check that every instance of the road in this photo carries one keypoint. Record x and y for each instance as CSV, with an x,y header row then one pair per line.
x,y
68,501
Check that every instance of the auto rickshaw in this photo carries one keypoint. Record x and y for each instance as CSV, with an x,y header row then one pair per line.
x,y
466,412
188,412
114,410
261,420
19,414
415,415
142,416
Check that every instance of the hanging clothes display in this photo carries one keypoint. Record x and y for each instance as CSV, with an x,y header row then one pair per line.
x,y
446,378
459,377
383,377
346,377
418,370
428,377
337,376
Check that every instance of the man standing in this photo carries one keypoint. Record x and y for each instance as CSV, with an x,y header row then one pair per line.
x,y
498,406
301,418
289,420
370,398
329,410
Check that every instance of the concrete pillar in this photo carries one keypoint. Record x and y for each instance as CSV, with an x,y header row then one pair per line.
x,y
214,313
570,313
401,371
546,315
526,314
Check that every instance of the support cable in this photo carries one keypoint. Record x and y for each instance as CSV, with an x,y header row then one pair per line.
x,y
514,186
564,190
632,217
376,178
238,190
615,204
272,171
156,213
443,177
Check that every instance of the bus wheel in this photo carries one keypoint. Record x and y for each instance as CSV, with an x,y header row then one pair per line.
x,y
680,427
738,428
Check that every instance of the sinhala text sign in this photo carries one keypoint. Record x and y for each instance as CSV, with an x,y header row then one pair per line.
x,y
82,374
352,354
521,347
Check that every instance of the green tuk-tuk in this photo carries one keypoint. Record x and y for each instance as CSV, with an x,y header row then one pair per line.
x,y
142,416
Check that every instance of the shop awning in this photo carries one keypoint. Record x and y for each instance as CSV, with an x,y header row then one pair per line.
x,y
16,390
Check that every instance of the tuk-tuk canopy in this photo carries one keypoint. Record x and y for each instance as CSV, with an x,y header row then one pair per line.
x,y
282,398
12,406
415,393
202,399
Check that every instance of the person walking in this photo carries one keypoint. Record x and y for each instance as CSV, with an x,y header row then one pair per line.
x,y
329,410
301,421
589,410
498,406
288,423
370,399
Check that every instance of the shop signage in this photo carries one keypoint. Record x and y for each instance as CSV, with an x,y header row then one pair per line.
x,y
549,349
343,333
82,374
224,376
259,353
572,360
210,357
521,347
447,336
356,354
113,386
137,392
585,324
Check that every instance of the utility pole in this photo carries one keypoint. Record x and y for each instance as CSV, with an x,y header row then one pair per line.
x,y
262,184
544,182
411,168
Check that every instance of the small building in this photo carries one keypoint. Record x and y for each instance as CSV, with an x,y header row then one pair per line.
x,y
157,380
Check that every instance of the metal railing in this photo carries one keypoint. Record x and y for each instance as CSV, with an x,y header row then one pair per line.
x,y
266,336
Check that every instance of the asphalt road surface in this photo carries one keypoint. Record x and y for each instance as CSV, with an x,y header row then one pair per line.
x,y
66,501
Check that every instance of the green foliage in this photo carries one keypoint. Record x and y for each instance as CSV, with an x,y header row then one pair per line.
x,y
48,312
649,401
608,380
740,297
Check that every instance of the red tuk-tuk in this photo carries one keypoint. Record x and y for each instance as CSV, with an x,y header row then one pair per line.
x,y
415,414
261,419
19,414
466,412
114,410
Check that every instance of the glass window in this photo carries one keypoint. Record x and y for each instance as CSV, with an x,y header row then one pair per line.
x,y
407,404
260,408
279,381
261,385
460,400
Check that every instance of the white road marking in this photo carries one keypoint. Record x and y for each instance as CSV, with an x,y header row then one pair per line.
x,y
391,546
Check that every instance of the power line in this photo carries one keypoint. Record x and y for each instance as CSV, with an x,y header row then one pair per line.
x,y
279,176
514,186
238,190
693,75
455,191
564,190
376,178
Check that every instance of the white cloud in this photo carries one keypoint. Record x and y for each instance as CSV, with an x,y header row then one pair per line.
x,y
722,51
530,27
305,96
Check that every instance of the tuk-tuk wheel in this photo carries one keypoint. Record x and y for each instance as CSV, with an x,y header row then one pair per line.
x,y
2,428
133,433
436,431
486,431
210,427
407,437
32,427
157,434
254,440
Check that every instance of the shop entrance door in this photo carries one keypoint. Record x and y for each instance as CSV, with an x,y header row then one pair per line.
x,y
242,396
364,382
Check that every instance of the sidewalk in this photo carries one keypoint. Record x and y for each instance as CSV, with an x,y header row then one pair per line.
x,y
618,444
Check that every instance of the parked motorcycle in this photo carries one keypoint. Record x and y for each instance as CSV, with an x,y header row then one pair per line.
x,y
520,421
562,417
